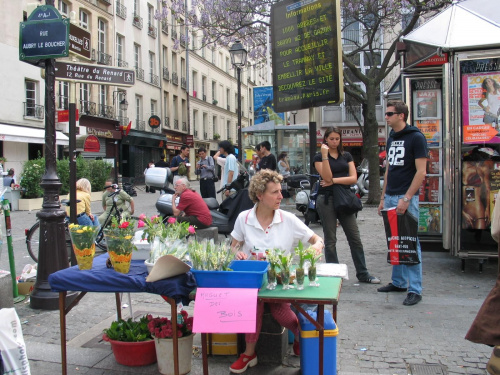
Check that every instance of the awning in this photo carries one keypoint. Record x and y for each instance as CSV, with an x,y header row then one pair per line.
x,y
25,134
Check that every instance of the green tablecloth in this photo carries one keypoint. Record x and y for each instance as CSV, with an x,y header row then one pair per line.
x,y
329,290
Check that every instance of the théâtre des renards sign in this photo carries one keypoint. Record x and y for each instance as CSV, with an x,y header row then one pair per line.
x,y
306,54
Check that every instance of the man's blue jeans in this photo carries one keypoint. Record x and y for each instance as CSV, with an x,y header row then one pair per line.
x,y
403,275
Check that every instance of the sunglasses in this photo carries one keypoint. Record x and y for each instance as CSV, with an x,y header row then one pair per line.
x,y
389,114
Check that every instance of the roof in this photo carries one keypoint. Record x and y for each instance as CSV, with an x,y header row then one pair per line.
x,y
465,25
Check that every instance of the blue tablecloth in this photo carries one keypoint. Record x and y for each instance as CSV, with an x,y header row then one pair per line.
x,y
103,279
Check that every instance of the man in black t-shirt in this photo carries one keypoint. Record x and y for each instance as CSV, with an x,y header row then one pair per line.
x,y
267,160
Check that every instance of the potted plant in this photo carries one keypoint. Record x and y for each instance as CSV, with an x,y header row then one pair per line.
x,y
274,262
131,342
119,238
216,136
311,272
214,102
299,271
162,331
285,264
83,242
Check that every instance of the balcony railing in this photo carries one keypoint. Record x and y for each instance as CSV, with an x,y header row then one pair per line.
x,y
353,112
204,97
140,124
137,21
106,111
164,27
121,11
166,74
196,133
121,63
176,124
154,79
156,130
152,32
139,73
34,110
184,126
88,108
350,37
107,2
183,82
175,78
123,120
167,122
174,33
103,58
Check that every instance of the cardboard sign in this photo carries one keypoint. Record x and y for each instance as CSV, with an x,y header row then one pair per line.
x,y
225,310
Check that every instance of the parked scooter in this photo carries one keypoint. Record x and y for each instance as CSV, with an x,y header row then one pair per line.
x,y
305,199
363,183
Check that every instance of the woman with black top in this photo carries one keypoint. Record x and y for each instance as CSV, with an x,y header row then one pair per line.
x,y
336,166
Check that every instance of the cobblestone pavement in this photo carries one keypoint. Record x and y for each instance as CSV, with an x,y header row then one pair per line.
x,y
377,334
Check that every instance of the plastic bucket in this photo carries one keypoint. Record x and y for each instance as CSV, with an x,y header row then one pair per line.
x,y
165,354
140,353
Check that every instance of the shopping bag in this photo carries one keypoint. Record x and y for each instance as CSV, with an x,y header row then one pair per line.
x,y
401,233
12,348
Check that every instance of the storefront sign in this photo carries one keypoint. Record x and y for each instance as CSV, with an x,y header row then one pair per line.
x,y
154,122
189,140
101,74
435,60
307,57
91,144
104,133
63,115
173,146
174,138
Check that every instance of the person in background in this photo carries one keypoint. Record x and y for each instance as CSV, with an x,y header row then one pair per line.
x,y
252,168
267,160
336,167
192,208
230,167
161,164
121,199
183,157
266,226
404,174
205,168
220,159
83,211
149,189
284,170
8,181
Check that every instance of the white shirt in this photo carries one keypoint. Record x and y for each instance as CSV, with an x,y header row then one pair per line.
x,y
284,232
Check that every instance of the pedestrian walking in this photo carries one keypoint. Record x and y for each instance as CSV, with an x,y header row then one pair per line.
x,y
405,172
205,168
336,167
267,160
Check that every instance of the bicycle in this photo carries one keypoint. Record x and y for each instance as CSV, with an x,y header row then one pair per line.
x,y
33,234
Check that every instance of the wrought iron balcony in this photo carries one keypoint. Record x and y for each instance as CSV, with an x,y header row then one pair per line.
x,y
175,78
137,21
174,33
166,74
121,63
204,98
123,120
152,31
167,122
183,40
196,133
184,126
353,112
183,82
34,110
106,111
121,11
103,58
106,2
176,124
88,108
154,79
164,27
139,73
140,124
156,130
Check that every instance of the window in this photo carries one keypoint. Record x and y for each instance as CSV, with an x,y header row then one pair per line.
x,y
195,124
214,90
138,107
136,7
120,55
30,98
228,129
151,63
351,31
214,125
63,97
228,64
228,99
84,92
165,57
101,36
151,15
204,88
153,107
213,57
137,56
84,20
102,95
62,7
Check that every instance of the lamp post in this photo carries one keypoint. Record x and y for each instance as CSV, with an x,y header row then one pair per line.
x,y
294,113
238,59
123,105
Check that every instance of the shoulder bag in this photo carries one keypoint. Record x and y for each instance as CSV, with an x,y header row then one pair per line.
x,y
215,178
345,201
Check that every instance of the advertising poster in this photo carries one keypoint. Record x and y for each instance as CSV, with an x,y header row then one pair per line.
x,y
434,161
427,102
431,130
481,107
264,108
429,221
429,191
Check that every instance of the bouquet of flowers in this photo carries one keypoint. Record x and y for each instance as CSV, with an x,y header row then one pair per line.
x,y
208,256
119,239
83,241
176,230
152,227
162,328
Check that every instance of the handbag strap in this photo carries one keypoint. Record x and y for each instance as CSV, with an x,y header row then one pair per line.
x,y
210,158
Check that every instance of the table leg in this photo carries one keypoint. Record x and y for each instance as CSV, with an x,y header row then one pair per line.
x,y
321,322
204,353
62,327
118,306
173,314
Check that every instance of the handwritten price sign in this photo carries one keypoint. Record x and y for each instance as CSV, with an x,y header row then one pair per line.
x,y
225,310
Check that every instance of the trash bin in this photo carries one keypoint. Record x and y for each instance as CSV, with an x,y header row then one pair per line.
x,y
309,345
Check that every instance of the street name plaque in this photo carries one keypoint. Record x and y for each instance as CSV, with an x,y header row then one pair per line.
x,y
101,74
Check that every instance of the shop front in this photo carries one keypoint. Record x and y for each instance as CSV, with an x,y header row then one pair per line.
x,y
451,83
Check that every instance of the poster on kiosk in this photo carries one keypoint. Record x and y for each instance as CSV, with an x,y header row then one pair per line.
x,y
480,157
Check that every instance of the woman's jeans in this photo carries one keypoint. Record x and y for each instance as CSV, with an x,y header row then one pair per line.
x,y
85,220
407,276
329,218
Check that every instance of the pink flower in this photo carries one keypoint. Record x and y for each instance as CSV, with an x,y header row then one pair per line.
x,y
142,216
153,218
171,220
140,223
191,229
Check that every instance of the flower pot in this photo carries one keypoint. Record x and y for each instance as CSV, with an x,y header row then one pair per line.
x,y
165,354
140,353
84,246
120,252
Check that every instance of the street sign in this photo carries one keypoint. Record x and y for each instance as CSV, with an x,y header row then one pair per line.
x,y
102,74
79,41
154,121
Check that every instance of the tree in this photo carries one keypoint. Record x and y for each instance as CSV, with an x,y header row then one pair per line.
x,y
371,29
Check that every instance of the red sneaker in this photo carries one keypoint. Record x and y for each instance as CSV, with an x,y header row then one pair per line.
x,y
243,363
296,348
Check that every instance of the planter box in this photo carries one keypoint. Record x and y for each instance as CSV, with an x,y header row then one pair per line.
x,y
36,203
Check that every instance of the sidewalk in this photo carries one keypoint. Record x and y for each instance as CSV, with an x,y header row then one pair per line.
x,y
377,334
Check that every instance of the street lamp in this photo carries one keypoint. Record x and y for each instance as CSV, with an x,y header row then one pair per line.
x,y
294,113
123,105
238,59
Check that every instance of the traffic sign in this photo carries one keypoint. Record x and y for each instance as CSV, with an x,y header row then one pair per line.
x,y
102,74
79,41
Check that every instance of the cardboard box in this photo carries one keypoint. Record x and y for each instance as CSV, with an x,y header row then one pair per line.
x,y
25,287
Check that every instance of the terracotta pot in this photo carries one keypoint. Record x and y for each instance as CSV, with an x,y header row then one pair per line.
x,y
140,353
